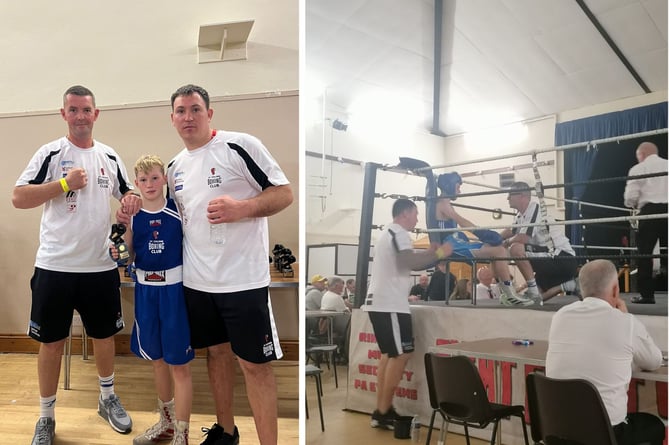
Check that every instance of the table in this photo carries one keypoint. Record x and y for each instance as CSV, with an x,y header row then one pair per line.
x,y
503,350
328,314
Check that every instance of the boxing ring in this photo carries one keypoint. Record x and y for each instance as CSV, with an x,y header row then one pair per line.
x,y
437,323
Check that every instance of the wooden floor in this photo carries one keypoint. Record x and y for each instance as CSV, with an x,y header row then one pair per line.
x,y
345,427
76,410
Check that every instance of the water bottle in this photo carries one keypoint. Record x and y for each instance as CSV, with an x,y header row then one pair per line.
x,y
415,429
217,233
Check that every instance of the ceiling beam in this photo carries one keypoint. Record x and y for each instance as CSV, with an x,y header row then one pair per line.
x,y
613,45
436,81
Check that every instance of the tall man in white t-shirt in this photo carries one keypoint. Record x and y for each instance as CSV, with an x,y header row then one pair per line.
x,y
598,340
75,177
226,184
388,306
545,277
649,195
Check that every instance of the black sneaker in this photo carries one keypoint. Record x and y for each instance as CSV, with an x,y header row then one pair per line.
x,y
217,436
229,439
385,421
213,434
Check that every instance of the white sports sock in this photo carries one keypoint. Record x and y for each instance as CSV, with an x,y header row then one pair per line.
x,y
106,386
47,406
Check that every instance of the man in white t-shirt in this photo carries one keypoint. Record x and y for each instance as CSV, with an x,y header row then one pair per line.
x,y
388,306
545,278
598,340
226,184
75,177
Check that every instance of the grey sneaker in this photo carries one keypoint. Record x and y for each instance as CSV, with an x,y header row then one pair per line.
x,y
113,412
509,297
44,431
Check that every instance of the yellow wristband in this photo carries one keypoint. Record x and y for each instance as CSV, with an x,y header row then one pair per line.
x,y
63,184
440,253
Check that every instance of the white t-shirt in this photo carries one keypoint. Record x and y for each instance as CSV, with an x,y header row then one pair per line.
x,y
639,192
538,234
333,302
75,227
591,340
390,282
237,165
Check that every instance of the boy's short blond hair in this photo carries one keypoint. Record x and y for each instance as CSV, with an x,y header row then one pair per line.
x,y
146,163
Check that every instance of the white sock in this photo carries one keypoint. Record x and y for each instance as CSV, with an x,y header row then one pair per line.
x,y
47,406
106,386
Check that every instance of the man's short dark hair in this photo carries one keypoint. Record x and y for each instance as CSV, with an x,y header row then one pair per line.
x,y
78,90
189,90
520,188
401,205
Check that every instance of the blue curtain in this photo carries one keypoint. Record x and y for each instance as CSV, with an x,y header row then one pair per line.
x,y
578,162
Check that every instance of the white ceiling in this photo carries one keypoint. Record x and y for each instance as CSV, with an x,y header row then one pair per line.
x,y
501,61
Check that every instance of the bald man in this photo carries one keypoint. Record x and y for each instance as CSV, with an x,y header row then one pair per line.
x,y
649,196
598,340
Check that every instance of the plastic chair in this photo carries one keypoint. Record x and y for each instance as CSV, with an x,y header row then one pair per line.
x,y
315,372
458,395
330,352
568,411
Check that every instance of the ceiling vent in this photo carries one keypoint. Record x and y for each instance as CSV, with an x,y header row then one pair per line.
x,y
221,42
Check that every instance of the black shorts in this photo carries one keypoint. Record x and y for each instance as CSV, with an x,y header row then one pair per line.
x,y
55,295
555,271
393,331
244,319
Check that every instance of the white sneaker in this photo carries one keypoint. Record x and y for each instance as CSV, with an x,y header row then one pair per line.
x,y
161,431
181,433
509,297
533,294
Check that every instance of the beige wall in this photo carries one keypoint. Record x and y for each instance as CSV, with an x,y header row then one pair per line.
x,y
131,52
134,131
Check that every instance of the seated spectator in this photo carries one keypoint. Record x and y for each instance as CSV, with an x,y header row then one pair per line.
x,y
314,293
312,302
349,293
462,291
598,340
486,289
419,291
333,301
441,284
332,298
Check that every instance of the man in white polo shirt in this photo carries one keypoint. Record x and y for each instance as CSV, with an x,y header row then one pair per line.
x,y
598,340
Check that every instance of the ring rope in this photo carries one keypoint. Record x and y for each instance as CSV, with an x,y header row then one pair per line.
x,y
559,223
576,246
555,258
551,149
422,198
566,184
553,198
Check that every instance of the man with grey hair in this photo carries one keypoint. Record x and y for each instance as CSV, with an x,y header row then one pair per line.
x,y
598,340
649,196
545,277
332,300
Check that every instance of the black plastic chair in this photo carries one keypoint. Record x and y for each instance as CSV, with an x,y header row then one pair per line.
x,y
568,411
315,372
457,393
